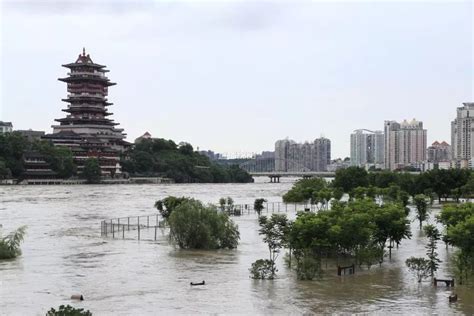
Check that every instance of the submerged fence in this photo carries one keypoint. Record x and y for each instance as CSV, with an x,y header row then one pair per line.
x,y
145,227
119,227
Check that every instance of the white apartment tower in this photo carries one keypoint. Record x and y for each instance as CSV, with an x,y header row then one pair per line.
x,y
367,148
462,133
405,144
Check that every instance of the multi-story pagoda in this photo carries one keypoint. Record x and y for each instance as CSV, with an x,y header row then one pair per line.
x,y
86,129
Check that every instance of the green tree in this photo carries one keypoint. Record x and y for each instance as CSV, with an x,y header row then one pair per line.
x,y
163,158
195,226
351,178
337,194
68,310
10,244
168,204
258,205
452,214
420,267
304,190
59,158
12,147
262,269
274,231
359,193
433,235
404,198
323,197
5,173
391,225
222,203
421,208
91,171
459,222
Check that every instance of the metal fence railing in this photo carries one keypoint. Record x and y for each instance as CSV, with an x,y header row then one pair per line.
x,y
136,227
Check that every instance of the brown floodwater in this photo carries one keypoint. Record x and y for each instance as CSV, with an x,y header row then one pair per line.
x,y
64,254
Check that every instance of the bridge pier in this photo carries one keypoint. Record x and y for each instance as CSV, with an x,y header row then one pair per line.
x,y
274,179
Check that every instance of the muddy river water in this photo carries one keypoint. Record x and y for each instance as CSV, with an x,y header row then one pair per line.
x,y
64,254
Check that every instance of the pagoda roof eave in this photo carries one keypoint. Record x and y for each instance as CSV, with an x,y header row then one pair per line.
x,y
103,111
87,97
79,78
93,65
105,122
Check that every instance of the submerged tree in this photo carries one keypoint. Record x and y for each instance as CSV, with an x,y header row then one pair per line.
x,y
274,231
68,310
434,236
304,190
195,226
420,267
258,205
168,204
261,269
10,244
421,208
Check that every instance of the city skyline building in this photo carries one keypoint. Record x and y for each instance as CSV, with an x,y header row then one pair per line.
x,y
86,129
438,152
6,127
367,148
405,144
293,156
462,134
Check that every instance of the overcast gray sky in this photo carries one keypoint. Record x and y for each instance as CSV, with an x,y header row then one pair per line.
x,y
236,76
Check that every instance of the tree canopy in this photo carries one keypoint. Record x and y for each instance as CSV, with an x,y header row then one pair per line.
x,y
459,223
196,226
91,172
160,157
13,147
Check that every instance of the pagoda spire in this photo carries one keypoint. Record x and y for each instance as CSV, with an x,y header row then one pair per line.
x,y
83,51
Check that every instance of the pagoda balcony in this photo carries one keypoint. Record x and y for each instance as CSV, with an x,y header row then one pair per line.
x,y
79,73
86,95
82,110
79,90
96,106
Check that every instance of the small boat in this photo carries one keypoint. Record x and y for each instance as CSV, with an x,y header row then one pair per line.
x,y
199,283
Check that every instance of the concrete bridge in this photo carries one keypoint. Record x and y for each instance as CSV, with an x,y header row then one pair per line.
x,y
276,175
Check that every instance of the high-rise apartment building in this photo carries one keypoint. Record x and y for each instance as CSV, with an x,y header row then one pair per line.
x,y
292,156
367,148
462,133
405,144
438,152
6,127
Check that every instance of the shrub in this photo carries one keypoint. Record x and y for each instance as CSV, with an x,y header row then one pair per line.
x,y
168,204
68,311
195,226
307,268
420,267
262,269
10,245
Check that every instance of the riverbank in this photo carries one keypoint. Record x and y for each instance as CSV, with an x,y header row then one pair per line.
x,y
131,180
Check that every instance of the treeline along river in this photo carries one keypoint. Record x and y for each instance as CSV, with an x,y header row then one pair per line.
x,y
64,254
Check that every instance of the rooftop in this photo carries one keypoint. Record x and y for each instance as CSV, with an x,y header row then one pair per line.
x,y
9,124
